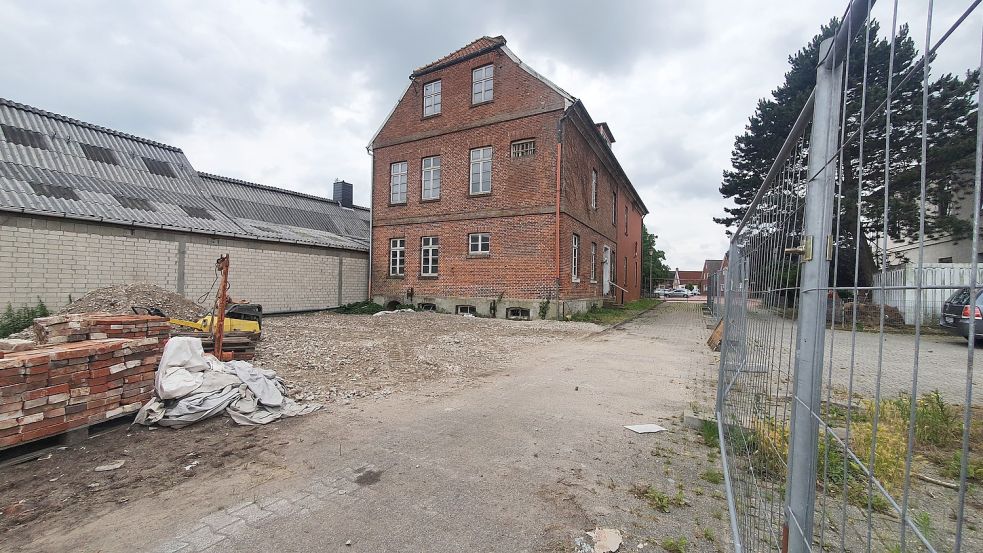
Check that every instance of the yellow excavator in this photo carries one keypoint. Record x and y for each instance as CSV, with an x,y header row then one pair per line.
x,y
239,317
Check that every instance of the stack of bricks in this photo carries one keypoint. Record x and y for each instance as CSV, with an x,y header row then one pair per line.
x,y
75,327
77,382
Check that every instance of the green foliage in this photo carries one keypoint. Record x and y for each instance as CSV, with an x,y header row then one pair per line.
x,y
936,422
709,535
713,476
689,286
544,308
675,545
708,431
614,315
653,261
12,320
974,468
366,308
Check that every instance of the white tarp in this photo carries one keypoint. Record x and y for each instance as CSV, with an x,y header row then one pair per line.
x,y
192,386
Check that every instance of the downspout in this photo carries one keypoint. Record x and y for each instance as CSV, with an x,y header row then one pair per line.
x,y
368,150
556,241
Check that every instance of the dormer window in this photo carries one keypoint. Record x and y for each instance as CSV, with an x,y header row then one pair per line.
x,y
431,99
482,84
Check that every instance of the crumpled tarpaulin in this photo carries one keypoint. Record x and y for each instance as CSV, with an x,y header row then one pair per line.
x,y
192,386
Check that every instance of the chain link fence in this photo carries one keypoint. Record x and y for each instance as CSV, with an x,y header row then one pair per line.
x,y
846,400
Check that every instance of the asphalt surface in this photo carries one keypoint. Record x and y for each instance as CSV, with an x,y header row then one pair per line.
x,y
487,468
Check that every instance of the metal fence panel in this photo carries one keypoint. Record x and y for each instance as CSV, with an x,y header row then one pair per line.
x,y
847,420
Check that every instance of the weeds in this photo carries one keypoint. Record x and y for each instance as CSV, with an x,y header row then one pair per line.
x,y
713,476
675,545
12,320
708,431
709,535
658,500
614,315
953,466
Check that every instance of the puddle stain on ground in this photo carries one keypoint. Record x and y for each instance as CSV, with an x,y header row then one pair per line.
x,y
368,477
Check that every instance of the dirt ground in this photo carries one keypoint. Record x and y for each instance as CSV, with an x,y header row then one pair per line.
x,y
331,358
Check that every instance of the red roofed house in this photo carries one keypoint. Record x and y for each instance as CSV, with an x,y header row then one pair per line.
x,y
495,193
681,278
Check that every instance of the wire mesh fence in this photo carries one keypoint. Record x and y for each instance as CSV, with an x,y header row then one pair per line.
x,y
851,303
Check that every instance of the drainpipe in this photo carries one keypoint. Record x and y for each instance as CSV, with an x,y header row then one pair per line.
x,y
556,242
371,222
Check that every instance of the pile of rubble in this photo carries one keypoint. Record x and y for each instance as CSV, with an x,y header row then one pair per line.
x,y
121,298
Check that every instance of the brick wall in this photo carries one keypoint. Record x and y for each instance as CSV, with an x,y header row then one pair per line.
x,y
52,258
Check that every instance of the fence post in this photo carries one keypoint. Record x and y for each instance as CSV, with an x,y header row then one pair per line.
x,y
730,320
817,222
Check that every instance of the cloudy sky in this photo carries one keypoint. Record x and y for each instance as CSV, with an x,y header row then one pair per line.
x,y
288,92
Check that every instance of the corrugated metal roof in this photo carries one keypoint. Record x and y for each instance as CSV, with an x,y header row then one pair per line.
x,y
59,180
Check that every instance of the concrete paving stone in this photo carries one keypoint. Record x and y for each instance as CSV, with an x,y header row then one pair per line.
x,y
234,529
283,508
234,510
202,538
252,514
219,520
172,546
264,502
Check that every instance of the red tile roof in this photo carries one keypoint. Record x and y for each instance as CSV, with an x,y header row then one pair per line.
x,y
483,43
690,275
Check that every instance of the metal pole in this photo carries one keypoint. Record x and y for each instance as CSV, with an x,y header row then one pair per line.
x,y
730,321
804,437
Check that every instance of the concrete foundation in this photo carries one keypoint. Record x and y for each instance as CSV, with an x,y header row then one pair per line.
x,y
499,308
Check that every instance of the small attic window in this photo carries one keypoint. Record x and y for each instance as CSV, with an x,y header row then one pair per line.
x,y
135,203
524,148
24,137
196,212
54,191
159,167
98,153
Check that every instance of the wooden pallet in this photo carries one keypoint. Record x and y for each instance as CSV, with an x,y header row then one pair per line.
x,y
241,344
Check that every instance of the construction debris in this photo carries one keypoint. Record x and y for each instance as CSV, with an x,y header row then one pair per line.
x,y
606,540
121,298
191,386
110,466
645,428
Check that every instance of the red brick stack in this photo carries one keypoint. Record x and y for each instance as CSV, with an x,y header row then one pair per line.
x,y
69,385
75,327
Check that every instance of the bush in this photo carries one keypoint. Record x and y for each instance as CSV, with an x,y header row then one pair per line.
x,y
366,308
16,320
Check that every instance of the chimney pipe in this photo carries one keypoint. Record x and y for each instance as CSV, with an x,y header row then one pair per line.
x,y
343,193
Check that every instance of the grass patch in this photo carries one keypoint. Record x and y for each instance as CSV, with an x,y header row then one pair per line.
x,y
708,431
15,320
366,308
658,500
713,476
675,545
614,315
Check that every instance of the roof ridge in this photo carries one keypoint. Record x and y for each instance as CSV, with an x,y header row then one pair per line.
x,y
469,50
233,180
73,121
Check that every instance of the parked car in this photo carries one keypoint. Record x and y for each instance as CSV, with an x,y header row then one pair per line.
x,y
678,293
957,310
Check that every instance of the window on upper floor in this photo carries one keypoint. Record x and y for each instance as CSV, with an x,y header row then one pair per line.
x,y
523,148
614,208
593,262
431,98
24,137
593,188
431,178
481,170
479,243
397,182
482,84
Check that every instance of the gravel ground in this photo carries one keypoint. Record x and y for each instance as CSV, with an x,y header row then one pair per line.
x,y
331,357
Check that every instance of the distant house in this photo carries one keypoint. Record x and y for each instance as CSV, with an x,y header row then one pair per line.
x,y
681,278
710,266
494,193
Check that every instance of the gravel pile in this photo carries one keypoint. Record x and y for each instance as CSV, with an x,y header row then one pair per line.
x,y
121,298
331,357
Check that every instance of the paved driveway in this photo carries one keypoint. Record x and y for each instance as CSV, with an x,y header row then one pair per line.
x,y
483,469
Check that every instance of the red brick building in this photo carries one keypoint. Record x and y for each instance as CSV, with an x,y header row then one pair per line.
x,y
495,193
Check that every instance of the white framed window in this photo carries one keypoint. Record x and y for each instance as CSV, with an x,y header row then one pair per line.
x,y
523,148
466,310
431,98
479,243
429,254
593,188
593,261
397,256
481,170
482,84
431,178
397,182
575,258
